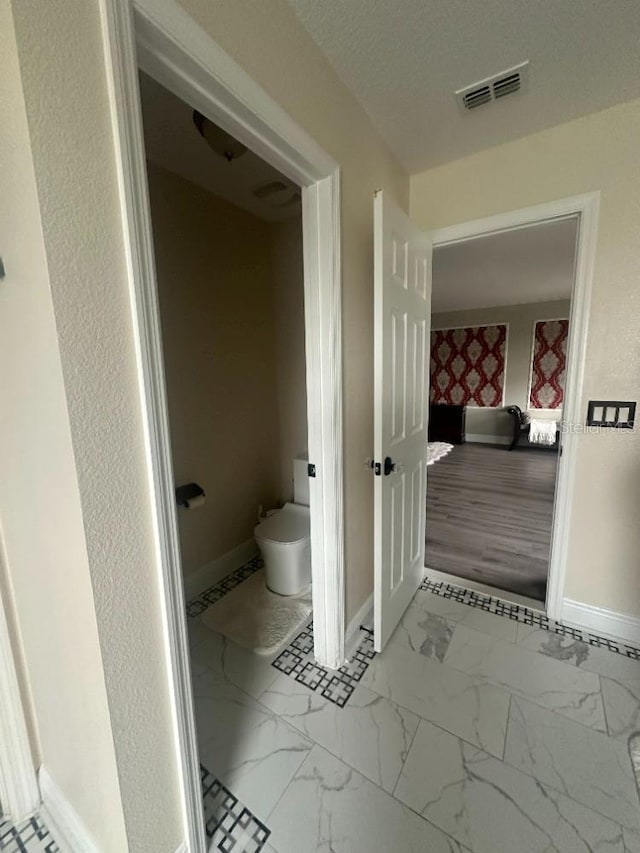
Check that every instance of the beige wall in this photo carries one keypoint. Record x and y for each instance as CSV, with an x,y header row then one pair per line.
x,y
598,152
217,305
288,271
65,90
45,581
520,320
266,39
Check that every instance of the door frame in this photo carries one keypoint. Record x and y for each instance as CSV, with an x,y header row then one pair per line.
x,y
19,792
162,39
586,208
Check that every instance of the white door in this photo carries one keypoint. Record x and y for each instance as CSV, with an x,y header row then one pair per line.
x,y
402,270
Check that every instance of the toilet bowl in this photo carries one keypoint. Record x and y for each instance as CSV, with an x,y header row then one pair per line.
x,y
284,539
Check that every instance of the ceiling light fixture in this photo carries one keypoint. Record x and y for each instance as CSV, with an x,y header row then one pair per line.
x,y
217,139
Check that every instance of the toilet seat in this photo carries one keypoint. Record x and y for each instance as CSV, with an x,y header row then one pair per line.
x,y
288,526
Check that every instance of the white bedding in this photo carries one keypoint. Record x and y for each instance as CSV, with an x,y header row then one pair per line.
x,y
542,432
436,450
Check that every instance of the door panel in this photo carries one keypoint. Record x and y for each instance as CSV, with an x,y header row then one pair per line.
x,y
402,323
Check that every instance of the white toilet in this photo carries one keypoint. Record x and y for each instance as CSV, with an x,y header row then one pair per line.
x,y
284,539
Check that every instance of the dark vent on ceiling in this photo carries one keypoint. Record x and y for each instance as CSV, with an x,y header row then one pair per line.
x,y
506,85
493,88
477,97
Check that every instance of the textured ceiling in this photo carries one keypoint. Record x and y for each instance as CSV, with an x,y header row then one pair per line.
x,y
404,59
533,264
173,142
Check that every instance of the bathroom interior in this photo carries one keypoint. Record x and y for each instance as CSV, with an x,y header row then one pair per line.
x,y
227,233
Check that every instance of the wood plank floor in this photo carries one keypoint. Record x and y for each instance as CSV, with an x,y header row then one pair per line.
x,y
489,515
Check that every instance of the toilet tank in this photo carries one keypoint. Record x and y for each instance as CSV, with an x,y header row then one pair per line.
x,y
301,481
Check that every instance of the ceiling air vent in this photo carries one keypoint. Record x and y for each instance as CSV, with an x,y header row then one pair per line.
x,y
494,88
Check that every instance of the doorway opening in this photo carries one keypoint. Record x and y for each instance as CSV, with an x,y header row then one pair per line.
x,y
229,266
168,46
228,246
510,305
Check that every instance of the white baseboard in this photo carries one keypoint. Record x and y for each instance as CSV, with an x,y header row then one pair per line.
x,y
598,620
476,438
353,628
61,818
204,577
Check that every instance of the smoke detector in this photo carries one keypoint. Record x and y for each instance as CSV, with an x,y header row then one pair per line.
x,y
278,193
494,88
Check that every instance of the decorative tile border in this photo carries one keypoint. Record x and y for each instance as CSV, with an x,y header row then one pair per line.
x,y
199,604
336,685
297,660
526,616
31,836
229,825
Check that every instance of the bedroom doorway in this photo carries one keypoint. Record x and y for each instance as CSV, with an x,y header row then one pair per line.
x,y
507,344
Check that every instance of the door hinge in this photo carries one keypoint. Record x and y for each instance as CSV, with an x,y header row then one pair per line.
x,y
377,468
311,470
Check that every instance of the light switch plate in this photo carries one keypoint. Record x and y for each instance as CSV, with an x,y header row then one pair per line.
x,y
614,414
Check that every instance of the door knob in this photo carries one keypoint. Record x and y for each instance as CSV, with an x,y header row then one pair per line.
x,y
389,466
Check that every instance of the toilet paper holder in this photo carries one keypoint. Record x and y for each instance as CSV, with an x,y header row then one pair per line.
x,y
187,493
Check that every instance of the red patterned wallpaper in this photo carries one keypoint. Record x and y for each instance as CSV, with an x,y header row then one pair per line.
x,y
548,364
467,365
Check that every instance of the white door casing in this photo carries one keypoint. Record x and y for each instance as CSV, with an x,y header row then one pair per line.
x,y
170,46
402,321
586,207
19,795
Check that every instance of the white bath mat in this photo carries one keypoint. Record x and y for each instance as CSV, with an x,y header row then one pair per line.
x,y
256,618
436,450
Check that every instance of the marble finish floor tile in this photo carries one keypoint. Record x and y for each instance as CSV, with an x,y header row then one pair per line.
x,y
622,707
420,732
428,634
620,674
631,841
242,743
567,690
330,808
461,614
588,766
370,734
579,653
529,616
246,670
466,706
493,808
